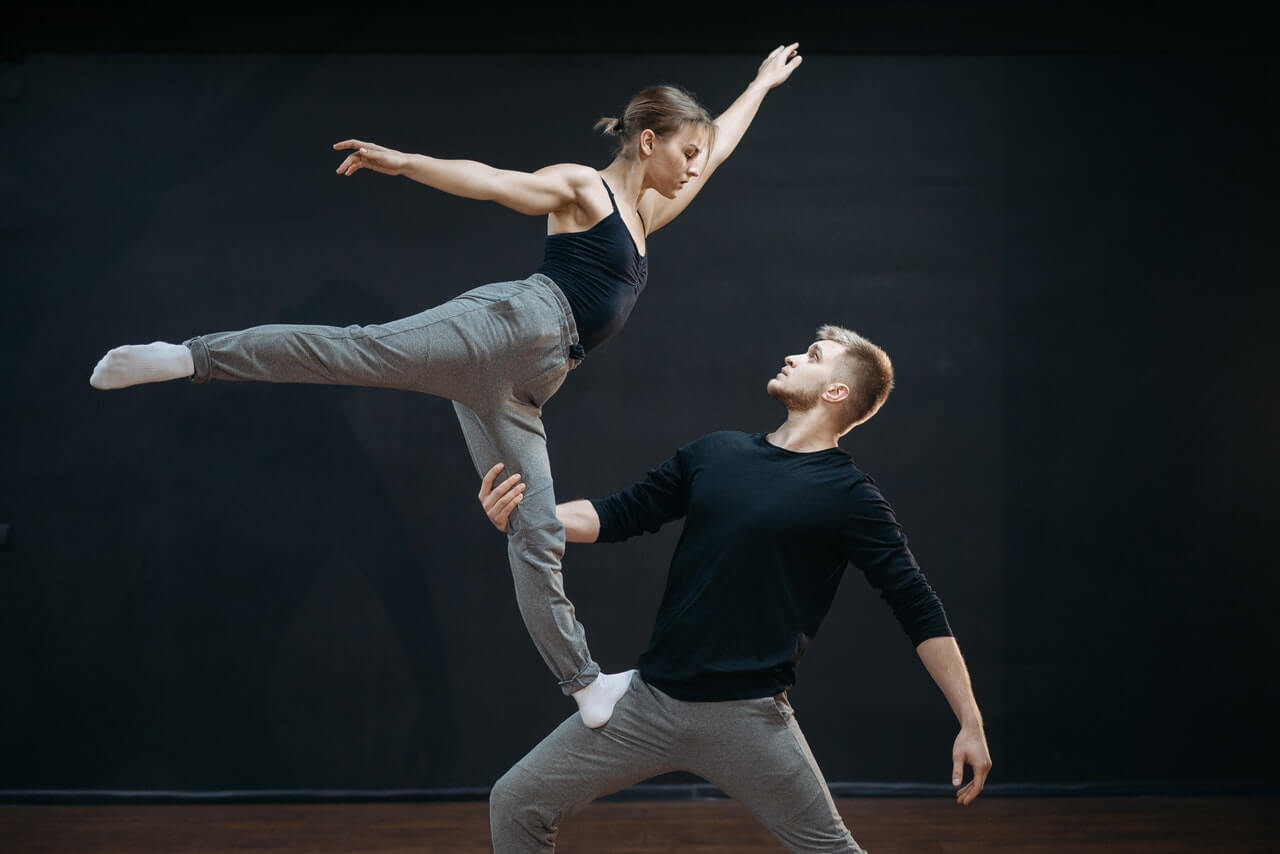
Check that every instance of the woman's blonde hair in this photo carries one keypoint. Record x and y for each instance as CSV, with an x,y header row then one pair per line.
x,y
663,110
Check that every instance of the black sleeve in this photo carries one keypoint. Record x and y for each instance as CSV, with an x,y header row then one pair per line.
x,y
875,544
644,506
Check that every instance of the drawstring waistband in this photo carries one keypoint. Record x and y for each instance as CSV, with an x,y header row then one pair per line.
x,y
569,329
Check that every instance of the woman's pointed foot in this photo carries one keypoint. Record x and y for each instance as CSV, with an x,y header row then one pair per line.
x,y
596,701
132,364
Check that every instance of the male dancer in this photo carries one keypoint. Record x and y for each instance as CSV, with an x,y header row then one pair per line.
x,y
771,521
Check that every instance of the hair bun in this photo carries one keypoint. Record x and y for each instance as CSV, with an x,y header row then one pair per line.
x,y
610,125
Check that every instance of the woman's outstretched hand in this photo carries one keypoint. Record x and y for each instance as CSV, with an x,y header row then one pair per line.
x,y
368,155
777,66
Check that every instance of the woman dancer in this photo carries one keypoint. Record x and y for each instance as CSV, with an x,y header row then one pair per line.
x,y
500,351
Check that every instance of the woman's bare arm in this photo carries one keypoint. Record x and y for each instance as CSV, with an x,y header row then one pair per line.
x,y
552,188
730,126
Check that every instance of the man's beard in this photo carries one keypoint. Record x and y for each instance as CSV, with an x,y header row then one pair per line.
x,y
794,399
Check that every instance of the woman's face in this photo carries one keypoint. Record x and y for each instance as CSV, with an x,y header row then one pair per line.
x,y
676,159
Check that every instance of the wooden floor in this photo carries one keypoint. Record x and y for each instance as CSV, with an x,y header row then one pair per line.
x,y
1063,825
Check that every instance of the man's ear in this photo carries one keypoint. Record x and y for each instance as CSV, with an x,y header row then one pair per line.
x,y
836,392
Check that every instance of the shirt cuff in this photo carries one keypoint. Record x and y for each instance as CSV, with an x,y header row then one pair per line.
x,y
608,524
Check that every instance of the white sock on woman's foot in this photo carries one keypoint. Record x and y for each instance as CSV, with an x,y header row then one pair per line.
x,y
142,363
596,701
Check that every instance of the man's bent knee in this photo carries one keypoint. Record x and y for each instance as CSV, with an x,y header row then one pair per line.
x,y
516,821
505,797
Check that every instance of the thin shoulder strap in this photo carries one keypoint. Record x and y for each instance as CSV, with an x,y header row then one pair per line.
x,y
612,200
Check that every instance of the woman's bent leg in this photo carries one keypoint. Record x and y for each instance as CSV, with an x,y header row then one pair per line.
x,y
513,434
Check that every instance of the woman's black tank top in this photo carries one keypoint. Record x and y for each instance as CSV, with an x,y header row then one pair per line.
x,y
600,272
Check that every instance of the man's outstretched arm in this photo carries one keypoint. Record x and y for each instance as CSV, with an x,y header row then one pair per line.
x,y
642,507
941,657
580,519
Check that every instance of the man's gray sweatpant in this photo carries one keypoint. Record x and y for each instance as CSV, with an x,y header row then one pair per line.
x,y
499,352
752,750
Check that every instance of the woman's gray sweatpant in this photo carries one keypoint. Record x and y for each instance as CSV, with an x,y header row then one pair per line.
x,y
752,750
499,352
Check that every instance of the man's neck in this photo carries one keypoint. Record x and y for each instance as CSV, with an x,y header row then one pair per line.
x,y
804,432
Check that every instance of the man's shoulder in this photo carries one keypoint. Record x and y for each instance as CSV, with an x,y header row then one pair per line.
x,y
865,495
720,439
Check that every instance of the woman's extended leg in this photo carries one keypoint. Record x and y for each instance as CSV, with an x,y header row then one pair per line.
x,y
445,350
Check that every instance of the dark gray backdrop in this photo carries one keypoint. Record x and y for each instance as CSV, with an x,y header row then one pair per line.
x,y
1070,258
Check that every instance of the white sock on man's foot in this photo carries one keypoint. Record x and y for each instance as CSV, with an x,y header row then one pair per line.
x,y
596,701
142,363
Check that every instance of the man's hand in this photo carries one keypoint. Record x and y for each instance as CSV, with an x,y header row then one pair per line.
x,y
777,66
498,501
970,749
369,155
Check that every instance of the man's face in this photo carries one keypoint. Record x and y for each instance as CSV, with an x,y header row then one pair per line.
x,y
805,376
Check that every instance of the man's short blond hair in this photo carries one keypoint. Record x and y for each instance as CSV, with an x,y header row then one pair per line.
x,y
865,369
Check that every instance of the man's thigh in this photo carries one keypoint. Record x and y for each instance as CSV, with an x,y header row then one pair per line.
x,y
573,766
754,751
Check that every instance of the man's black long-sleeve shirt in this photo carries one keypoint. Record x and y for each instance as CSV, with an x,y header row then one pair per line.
x,y
768,533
